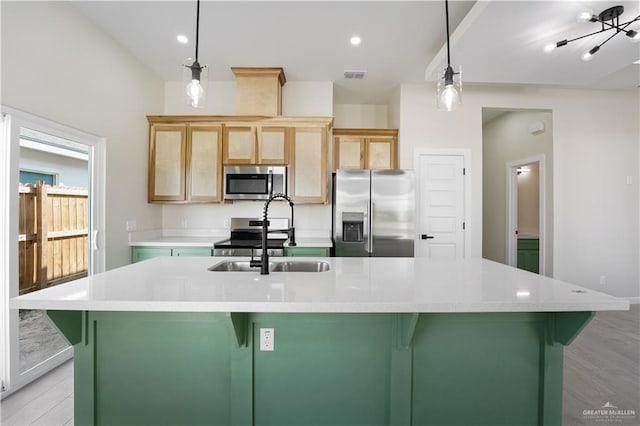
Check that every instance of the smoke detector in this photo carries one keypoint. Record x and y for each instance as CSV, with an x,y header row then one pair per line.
x,y
354,75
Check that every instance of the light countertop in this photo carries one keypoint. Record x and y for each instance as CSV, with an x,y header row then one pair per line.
x,y
358,285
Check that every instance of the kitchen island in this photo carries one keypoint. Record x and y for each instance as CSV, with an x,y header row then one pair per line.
x,y
372,341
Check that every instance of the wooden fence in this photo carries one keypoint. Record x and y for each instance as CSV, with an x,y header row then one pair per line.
x,y
53,235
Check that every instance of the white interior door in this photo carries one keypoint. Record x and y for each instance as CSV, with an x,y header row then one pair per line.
x,y
441,206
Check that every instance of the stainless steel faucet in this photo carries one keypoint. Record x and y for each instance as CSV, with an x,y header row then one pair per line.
x,y
263,263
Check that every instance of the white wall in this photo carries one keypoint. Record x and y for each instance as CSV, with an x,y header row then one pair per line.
x,y
70,171
394,109
298,99
58,65
221,99
595,136
307,98
310,220
506,139
360,116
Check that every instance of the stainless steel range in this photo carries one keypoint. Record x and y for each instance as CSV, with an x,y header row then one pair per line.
x,y
246,239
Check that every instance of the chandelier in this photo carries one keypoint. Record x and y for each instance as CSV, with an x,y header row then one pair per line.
x,y
609,20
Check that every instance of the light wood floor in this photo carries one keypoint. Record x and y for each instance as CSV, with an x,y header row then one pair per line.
x,y
601,366
46,401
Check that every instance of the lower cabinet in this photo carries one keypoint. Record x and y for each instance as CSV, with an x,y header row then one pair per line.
x,y
307,251
139,254
529,254
373,369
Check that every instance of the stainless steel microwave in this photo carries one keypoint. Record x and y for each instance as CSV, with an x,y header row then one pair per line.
x,y
254,182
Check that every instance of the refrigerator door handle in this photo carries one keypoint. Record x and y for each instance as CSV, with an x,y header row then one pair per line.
x,y
368,229
371,207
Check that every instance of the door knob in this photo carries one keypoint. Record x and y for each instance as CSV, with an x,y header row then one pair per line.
x,y
426,237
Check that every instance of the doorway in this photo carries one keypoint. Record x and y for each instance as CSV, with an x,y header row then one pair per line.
x,y
54,178
526,214
518,203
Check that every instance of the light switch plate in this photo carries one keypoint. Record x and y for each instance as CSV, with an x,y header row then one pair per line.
x,y
131,225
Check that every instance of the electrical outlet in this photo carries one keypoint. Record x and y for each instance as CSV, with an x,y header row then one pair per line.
x,y
603,279
184,222
131,225
226,224
267,339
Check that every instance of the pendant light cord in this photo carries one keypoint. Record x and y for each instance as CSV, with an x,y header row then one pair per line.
x,y
197,28
446,9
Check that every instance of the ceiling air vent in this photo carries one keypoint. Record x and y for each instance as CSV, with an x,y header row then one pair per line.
x,y
354,75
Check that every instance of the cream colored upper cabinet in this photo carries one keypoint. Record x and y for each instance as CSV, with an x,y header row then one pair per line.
x,y
204,170
167,162
348,152
308,165
381,153
255,144
239,145
185,162
365,149
273,145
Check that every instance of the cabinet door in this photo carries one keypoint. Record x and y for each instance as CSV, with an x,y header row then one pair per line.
x,y
307,251
204,166
167,163
308,165
273,145
348,152
191,251
139,254
239,145
381,153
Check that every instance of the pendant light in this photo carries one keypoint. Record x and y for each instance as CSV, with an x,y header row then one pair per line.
x,y
195,76
449,82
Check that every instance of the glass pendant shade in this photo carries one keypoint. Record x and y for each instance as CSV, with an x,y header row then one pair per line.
x,y
195,78
449,89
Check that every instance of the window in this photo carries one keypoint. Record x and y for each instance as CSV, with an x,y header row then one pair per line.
x,y
27,176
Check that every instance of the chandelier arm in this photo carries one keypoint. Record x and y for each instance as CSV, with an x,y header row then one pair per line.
x,y
626,24
590,34
618,26
612,36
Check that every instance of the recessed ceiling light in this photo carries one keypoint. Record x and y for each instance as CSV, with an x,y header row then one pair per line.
x,y
355,40
182,38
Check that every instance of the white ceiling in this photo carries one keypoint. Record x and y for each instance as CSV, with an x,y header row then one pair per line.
x,y
497,42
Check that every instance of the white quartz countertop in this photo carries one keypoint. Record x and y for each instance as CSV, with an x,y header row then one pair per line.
x,y
358,285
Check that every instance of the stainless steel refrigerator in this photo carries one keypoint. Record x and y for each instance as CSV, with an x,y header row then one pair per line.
x,y
374,213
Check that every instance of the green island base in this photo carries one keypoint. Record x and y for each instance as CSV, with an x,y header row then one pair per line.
x,y
150,368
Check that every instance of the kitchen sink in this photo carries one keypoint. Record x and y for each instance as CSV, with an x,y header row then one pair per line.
x,y
235,266
300,266
286,266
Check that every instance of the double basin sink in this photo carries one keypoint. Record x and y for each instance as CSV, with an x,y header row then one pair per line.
x,y
285,266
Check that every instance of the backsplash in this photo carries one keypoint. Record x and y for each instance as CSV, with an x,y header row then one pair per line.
x,y
310,220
